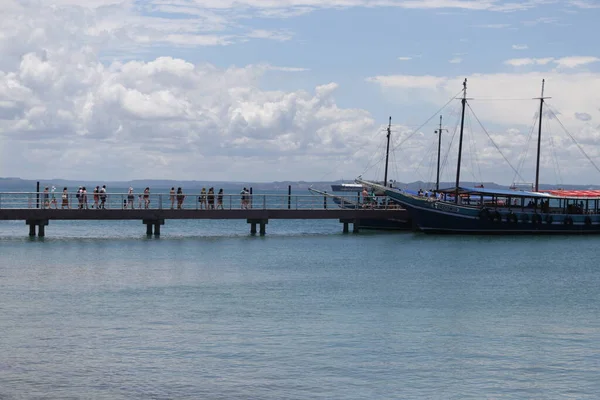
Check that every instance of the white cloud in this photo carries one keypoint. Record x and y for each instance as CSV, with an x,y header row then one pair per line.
x,y
405,58
541,20
520,47
519,62
408,81
184,114
455,60
573,62
585,4
492,26
564,62
64,113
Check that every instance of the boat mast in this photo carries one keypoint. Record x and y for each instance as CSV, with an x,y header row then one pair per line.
x,y
439,132
537,163
387,152
462,126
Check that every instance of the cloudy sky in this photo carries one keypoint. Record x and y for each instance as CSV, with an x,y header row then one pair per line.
x,y
263,90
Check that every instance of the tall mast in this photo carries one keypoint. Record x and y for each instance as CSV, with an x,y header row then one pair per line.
x,y
439,132
539,144
462,126
387,152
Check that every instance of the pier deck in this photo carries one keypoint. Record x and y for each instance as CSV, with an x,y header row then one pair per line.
x,y
260,209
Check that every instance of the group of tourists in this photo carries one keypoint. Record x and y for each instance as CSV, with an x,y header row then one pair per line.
x,y
143,199
208,199
99,197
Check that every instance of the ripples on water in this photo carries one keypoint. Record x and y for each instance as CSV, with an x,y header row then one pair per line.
x,y
97,310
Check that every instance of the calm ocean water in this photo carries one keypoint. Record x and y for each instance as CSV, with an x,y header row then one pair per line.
x,y
97,310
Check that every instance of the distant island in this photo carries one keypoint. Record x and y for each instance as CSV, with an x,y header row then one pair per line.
x,y
18,184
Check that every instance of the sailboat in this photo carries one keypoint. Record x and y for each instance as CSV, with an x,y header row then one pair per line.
x,y
479,210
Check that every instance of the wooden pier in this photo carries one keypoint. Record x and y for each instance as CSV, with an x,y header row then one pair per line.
x,y
37,215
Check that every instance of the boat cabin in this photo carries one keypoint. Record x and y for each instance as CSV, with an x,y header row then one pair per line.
x,y
547,202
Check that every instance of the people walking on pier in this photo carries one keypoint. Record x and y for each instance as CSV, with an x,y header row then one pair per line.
x,y
102,196
203,203
211,198
172,197
53,198
220,199
65,198
79,196
130,198
84,197
147,198
180,198
96,197
243,201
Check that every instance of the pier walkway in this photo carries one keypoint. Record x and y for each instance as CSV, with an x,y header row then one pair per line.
x,y
37,209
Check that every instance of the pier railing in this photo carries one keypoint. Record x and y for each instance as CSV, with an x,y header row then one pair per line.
x,y
163,201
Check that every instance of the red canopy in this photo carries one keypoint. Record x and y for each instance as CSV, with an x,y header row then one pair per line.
x,y
574,193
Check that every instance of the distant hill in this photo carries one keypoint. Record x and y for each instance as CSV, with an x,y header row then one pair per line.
x,y
17,184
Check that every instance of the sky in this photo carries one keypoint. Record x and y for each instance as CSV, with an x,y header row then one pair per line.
x,y
271,90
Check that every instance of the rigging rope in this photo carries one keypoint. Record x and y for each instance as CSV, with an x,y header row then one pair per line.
x,y
447,153
494,143
523,155
417,130
555,164
572,138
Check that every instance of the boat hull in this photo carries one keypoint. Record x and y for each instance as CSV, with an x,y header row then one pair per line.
x,y
446,218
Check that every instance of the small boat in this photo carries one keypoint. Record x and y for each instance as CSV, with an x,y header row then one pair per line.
x,y
347,187
500,211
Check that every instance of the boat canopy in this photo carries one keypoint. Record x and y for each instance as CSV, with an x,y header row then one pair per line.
x,y
498,192
574,193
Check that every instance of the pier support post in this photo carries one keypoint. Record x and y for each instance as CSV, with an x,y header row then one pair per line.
x,y
263,228
345,223
156,223
40,223
356,226
262,224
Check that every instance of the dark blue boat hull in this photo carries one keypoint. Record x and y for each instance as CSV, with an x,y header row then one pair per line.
x,y
446,218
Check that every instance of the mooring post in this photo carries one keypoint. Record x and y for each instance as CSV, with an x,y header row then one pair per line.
x,y
156,229
149,229
253,228
289,196
31,228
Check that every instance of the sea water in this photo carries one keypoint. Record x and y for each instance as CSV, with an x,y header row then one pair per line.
x,y
97,310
